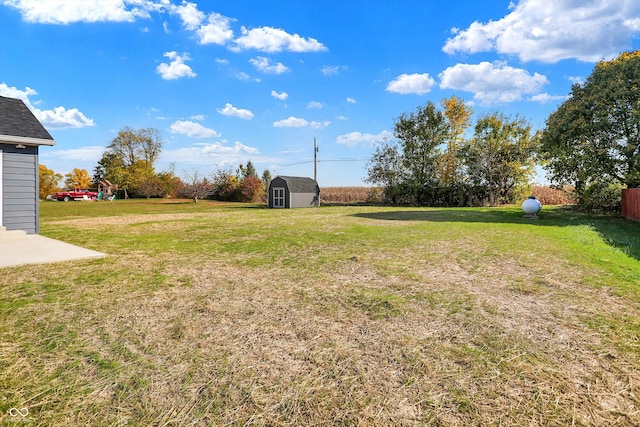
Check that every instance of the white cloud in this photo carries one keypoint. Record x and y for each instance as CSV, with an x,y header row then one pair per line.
x,y
230,110
279,95
296,122
319,125
268,39
352,139
57,118
411,84
262,64
190,15
216,31
88,153
351,100
13,92
192,129
550,31
332,70
67,12
211,154
291,122
543,98
314,104
209,29
60,118
198,117
576,80
246,77
176,68
222,61
492,82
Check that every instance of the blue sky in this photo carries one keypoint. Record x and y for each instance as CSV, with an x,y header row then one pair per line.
x,y
230,81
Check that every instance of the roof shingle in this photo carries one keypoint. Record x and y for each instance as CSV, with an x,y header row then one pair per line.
x,y
298,184
17,120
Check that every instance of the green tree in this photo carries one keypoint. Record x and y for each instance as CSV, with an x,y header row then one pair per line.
x,y
110,167
385,169
48,181
247,171
266,177
419,134
129,159
407,167
78,178
594,136
500,157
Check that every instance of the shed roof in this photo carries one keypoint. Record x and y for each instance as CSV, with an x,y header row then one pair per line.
x,y
19,125
299,184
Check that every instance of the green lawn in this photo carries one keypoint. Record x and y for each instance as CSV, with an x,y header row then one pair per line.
x,y
225,314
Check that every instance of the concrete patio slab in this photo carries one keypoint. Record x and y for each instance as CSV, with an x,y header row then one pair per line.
x,y
18,248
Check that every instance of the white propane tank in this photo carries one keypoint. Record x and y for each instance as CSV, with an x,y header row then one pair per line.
x,y
531,206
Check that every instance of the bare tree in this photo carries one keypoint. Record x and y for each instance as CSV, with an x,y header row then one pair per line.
x,y
195,186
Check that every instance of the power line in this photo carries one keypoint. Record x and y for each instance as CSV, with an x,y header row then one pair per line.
x,y
325,161
344,160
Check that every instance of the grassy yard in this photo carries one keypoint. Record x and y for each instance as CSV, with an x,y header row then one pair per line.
x,y
212,314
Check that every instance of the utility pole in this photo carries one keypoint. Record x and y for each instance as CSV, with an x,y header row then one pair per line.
x,y
315,160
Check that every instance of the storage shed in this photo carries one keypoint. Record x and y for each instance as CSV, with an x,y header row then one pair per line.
x,y
293,192
21,134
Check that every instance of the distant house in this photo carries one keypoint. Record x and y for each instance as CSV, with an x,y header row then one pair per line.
x,y
20,136
293,192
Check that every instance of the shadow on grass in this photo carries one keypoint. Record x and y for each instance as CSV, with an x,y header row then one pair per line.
x,y
617,231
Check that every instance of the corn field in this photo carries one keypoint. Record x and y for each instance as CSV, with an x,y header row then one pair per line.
x,y
373,195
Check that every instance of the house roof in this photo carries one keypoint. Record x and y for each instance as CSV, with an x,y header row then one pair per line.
x,y
299,184
18,125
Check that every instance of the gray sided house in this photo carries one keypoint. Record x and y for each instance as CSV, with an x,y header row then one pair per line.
x,y
20,136
293,192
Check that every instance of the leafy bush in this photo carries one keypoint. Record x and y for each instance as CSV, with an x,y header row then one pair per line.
x,y
601,197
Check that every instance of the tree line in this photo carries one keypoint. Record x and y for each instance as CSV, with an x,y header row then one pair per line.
x,y
431,162
590,143
129,161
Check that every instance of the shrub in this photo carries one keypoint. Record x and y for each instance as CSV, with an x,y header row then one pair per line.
x,y
601,197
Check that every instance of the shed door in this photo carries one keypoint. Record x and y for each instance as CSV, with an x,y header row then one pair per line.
x,y
278,197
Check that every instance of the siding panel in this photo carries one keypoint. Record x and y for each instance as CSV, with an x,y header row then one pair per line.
x,y
20,209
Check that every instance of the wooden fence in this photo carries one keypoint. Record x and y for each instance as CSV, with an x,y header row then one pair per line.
x,y
631,203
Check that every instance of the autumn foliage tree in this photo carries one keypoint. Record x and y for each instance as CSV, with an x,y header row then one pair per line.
x,y
458,116
243,185
48,181
78,178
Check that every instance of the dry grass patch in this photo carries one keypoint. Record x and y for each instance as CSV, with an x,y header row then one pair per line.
x,y
247,320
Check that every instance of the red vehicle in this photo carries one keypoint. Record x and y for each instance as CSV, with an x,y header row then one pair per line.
x,y
75,194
